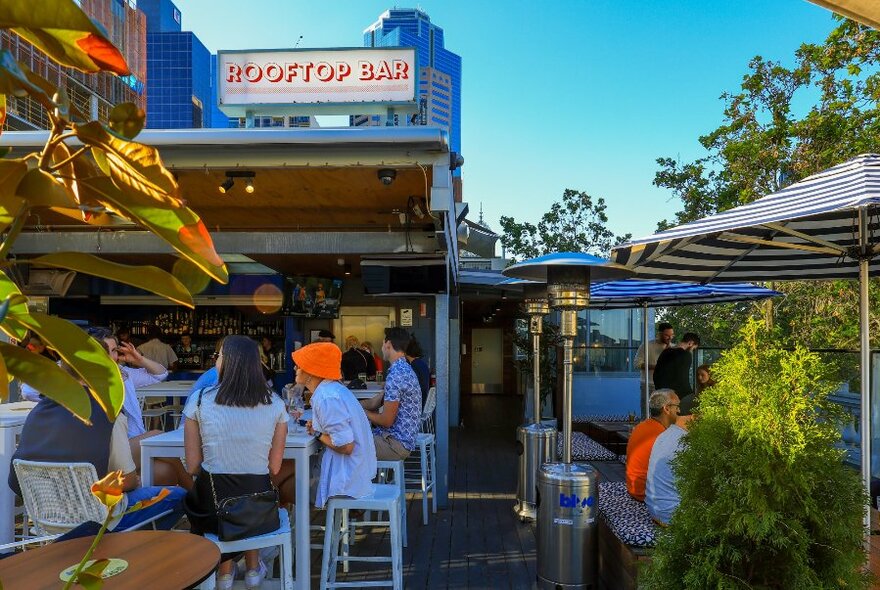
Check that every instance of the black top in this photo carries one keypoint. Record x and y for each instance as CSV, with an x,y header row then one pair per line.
x,y
356,361
673,371
423,373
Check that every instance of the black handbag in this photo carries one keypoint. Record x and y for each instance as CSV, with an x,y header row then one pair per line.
x,y
250,515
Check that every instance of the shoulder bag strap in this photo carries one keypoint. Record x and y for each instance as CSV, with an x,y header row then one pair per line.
x,y
210,477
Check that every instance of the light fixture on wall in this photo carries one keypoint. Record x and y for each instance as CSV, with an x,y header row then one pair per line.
x,y
348,270
231,175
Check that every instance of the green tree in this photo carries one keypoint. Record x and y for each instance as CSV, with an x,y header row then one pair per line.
x,y
766,500
576,224
786,123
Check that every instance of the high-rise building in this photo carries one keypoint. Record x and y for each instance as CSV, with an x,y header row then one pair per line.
x,y
180,83
439,71
92,94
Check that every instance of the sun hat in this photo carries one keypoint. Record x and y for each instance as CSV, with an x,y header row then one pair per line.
x,y
321,359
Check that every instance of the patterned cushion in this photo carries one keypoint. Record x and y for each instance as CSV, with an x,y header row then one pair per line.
x,y
628,519
622,459
583,418
584,448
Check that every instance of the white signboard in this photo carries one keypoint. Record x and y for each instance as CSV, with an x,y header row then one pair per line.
x,y
406,317
343,81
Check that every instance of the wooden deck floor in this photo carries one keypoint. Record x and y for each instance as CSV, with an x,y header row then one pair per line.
x,y
476,542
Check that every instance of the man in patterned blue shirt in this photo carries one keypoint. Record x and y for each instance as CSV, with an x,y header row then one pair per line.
x,y
396,427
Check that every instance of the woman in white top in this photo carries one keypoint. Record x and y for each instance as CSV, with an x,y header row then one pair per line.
x,y
349,464
234,431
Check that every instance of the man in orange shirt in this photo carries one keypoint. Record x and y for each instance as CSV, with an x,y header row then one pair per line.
x,y
663,408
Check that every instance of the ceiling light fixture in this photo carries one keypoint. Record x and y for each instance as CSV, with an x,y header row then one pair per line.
x,y
249,186
231,175
226,185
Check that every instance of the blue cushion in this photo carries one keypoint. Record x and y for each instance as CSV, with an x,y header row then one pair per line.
x,y
627,518
584,448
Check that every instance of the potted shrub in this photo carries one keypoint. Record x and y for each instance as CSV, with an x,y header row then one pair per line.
x,y
766,500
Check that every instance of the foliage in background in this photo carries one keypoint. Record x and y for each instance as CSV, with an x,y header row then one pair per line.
x,y
94,174
576,224
784,124
766,501
550,341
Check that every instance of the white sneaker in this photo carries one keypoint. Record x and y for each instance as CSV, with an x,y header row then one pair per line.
x,y
253,578
225,582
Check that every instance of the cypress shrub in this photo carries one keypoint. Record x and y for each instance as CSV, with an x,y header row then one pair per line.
x,y
766,500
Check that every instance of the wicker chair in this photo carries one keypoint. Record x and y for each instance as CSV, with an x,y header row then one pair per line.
x,y
58,496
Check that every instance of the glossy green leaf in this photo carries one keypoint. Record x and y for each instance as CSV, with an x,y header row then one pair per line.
x,y
79,350
15,81
47,378
41,189
134,167
127,119
65,171
193,277
181,228
9,302
149,278
8,288
61,29
11,173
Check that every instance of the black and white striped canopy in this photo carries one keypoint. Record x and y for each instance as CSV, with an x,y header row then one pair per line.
x,y
808,230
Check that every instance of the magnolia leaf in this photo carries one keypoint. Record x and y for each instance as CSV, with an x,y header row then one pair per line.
x,y
7,289
66,172
13,299
15,81
193,277
61,99
181,228
48,378
61,29
82,352
127,119
98,219
11,173
149,278
41,189
135,168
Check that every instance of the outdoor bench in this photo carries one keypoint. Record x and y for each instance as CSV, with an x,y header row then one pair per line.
x,y
584,448
626,535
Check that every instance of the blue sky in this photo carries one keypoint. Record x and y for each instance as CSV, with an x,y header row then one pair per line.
x,y
582,94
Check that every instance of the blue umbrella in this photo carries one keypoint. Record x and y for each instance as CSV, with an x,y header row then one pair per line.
x,y
631,293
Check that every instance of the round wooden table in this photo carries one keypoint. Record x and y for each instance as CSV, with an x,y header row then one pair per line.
x,y
156,559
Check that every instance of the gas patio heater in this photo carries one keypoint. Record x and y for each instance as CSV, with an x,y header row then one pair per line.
x,y
535,441
566,496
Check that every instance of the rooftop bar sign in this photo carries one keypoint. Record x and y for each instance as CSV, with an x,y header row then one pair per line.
x,y
309,81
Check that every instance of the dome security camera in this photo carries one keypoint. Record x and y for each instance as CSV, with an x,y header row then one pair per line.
x,y
386,176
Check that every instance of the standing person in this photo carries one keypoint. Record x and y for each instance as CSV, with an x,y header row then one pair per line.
x,y
155,349
663,408
396,427
690,403
325,336
419,366
661,342
354,361
349,463
674,366
209,377
35,344
234,438
377,360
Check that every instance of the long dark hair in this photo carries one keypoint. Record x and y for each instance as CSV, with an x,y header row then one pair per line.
x,y
242,383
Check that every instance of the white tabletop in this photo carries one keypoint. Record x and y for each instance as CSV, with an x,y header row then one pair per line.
x,y
14,414
166,388
174,438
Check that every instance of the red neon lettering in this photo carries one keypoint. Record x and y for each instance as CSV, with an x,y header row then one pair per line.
x,y
291,71
401,69
343,70
253,72
307,71
324,72
273,72
366,70
233,72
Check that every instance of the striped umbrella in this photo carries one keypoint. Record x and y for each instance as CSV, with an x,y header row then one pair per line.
x,y
632,293
823,227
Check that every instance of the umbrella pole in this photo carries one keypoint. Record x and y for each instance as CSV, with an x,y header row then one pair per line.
x,y
645,397
865,338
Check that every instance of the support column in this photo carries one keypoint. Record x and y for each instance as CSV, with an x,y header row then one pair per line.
x,y
454,367
443,354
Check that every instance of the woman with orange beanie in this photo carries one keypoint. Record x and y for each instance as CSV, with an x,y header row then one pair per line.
x,y
339,421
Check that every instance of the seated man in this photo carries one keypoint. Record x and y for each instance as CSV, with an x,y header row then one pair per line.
x,y
396,427
52,433
663,410
661,493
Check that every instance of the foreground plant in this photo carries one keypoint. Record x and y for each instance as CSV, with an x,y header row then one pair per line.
x,y
766,500
97,175
108,491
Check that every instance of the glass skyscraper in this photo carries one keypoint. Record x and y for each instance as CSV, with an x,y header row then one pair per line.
x,y
180,84
439,68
